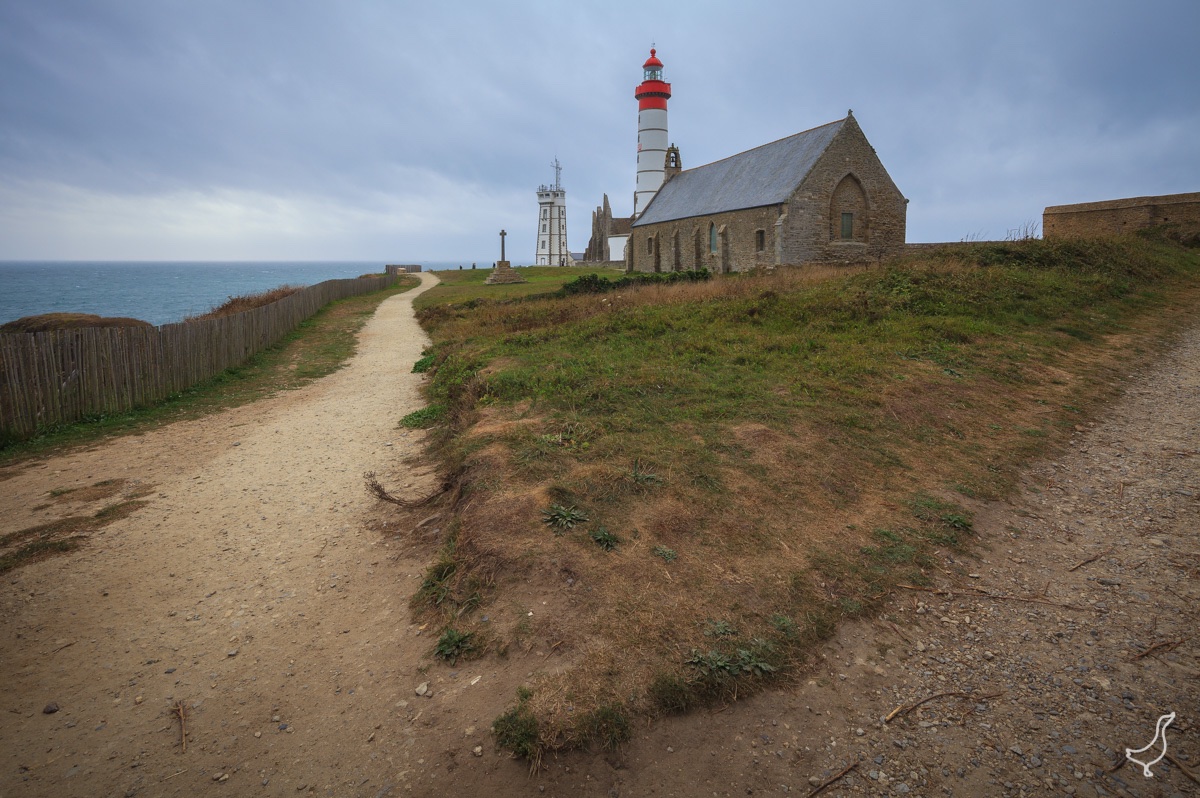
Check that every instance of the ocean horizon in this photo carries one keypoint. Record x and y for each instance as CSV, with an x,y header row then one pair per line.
x,y
162,292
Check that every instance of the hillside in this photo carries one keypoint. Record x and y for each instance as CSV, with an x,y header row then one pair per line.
x,y
675,490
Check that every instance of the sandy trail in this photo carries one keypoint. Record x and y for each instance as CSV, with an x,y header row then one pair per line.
x,y
248,589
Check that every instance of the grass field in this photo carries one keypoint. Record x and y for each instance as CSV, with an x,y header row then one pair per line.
x,y
699,480
459,286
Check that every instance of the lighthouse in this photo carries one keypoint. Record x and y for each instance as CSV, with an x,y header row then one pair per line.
x,y
652,96
552,223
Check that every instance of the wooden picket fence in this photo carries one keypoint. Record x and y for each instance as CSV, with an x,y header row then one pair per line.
x,y
52,378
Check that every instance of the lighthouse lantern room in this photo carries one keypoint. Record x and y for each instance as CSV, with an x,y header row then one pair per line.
x,y
652,96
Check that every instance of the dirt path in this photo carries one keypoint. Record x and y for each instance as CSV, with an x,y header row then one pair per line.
x,y
249,589
254,590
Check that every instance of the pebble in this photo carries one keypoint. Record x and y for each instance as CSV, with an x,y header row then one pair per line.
x,y
50,708
477,750
422,688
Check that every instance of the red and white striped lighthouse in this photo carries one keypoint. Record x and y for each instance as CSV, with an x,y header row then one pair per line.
x,y
652,98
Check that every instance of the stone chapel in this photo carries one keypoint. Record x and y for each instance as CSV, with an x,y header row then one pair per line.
x,y
821,196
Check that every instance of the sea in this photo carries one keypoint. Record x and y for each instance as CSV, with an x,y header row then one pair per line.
x,y
160,292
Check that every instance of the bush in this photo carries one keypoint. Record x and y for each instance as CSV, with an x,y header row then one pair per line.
x,y
595,284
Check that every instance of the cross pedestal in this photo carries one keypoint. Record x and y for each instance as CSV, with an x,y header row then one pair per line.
x,y
503,273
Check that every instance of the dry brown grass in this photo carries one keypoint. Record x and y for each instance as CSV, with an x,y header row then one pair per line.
x,y
240,304
48,322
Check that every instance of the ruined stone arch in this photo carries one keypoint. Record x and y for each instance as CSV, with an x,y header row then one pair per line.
x,y
849,212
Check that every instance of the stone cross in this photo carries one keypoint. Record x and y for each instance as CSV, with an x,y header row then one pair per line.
x,y
502,235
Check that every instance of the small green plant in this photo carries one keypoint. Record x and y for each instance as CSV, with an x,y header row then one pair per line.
x,y
667,555
957,521
718,629
604,539
642,477
517,729
714,663
561,517
454,644
608,725
749,661
785,626
424,418
425,363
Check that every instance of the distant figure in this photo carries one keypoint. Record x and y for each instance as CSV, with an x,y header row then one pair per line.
x,y
472,265
460,267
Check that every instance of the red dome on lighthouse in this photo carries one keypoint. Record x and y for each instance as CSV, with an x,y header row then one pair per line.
x,y
654,92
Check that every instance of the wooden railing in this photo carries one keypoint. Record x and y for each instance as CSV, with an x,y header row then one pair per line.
x,y
53,378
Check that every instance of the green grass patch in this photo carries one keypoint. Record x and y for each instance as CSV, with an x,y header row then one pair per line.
x,y
425,417
516,730
468,288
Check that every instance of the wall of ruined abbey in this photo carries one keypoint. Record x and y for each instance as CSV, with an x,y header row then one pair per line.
x,y
1179,212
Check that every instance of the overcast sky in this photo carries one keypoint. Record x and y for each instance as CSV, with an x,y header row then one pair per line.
x,y
407,131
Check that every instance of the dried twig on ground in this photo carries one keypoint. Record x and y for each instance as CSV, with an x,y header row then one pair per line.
x,y
1182,769
1161,647
1077,566
380,492
896,629
847,769
181,712
904,710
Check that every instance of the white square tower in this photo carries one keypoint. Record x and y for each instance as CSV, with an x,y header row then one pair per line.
x,y
552,223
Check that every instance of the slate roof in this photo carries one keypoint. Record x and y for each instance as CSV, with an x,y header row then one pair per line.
x,y
620,226
765,175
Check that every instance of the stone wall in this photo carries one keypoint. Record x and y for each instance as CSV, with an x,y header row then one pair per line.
x,y
1117,217
685,244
